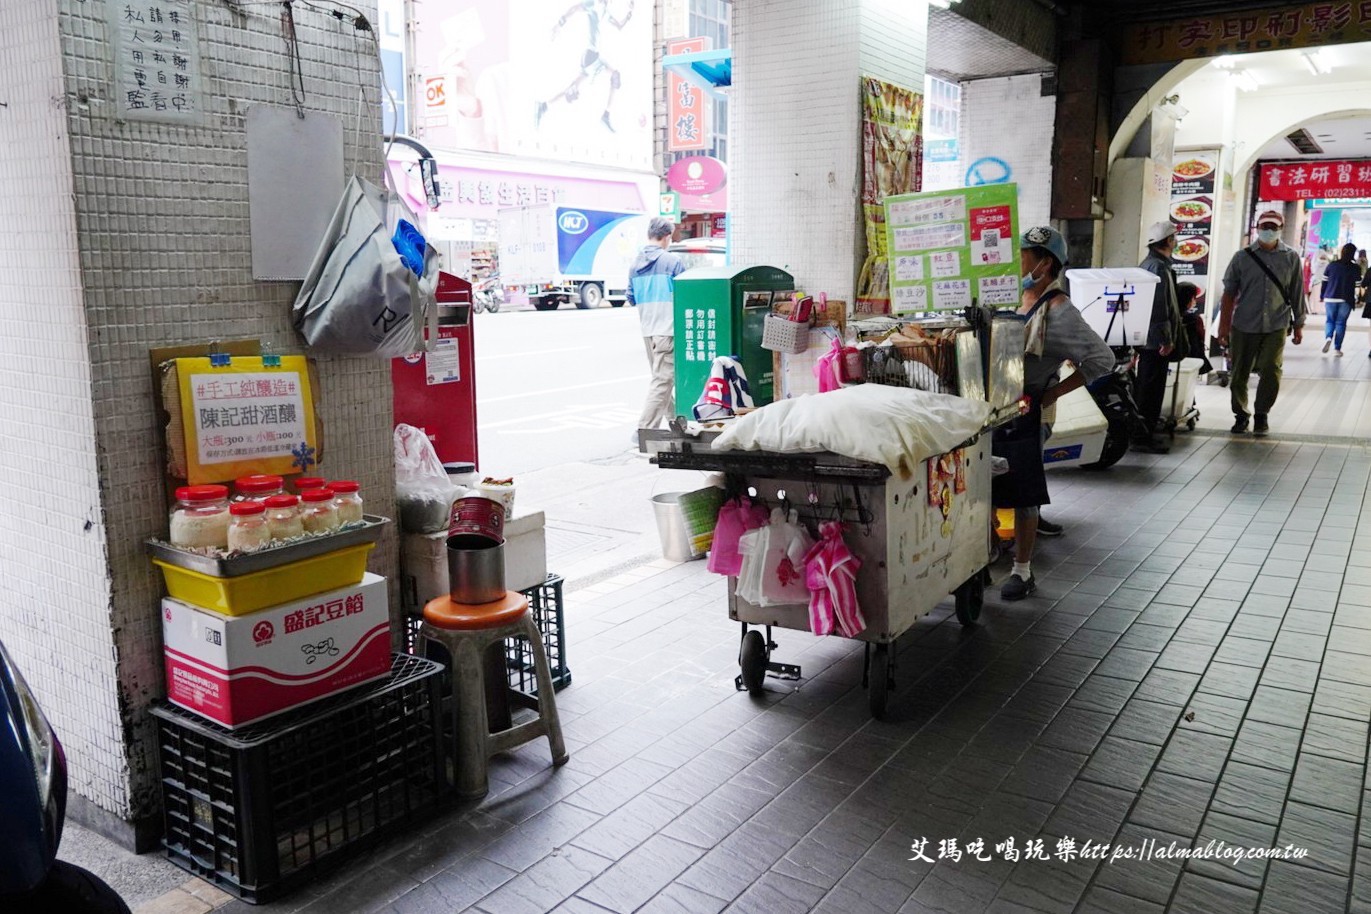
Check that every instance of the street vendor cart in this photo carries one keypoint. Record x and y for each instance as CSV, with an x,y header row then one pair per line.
x,y
919,538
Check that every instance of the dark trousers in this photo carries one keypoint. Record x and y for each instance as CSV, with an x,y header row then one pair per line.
x,y
1262,353
1151,386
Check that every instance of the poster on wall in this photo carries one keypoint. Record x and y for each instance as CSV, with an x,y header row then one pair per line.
x,y
543,78
1195,189
950,249
156,53
892,161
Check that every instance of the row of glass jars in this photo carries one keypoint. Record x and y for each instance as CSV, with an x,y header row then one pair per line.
x,y
261,511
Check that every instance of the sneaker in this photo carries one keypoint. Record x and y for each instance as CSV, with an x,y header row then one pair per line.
x,y
1337,353
1326,344
1016,588
538,113
604,119
1259,426
1047,528
1239,425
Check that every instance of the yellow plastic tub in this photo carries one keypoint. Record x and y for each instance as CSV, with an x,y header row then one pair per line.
x,y
243,594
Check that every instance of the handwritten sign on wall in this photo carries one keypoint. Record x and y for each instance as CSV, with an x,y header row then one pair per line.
x,y
156,52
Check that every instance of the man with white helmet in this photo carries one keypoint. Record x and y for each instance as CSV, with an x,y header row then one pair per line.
x,y
1165,333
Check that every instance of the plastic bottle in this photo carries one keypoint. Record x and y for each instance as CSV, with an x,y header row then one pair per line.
x,y
347,500
317,513
201,517
283,517
248,530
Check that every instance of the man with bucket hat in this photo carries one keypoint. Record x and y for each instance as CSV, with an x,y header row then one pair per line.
x,y
1263,301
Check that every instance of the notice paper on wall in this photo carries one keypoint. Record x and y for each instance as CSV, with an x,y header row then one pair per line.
x,y
950,248
443,365
156,54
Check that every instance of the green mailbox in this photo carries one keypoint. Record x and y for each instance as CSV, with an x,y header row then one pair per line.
x,y
721,311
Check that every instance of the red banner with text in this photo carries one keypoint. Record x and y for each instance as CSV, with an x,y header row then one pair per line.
x,y
1330,179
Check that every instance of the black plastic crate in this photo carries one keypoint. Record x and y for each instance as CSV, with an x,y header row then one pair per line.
x,y
262,809
545,602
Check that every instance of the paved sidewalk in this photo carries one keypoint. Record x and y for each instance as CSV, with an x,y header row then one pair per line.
x,y
1196,667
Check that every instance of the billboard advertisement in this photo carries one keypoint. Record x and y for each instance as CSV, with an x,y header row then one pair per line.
x,y
569,80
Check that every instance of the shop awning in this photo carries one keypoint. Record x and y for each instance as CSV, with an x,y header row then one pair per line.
x,y
710,70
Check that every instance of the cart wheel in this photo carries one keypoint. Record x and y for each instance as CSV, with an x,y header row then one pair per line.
x,y
878,685
752,661
970,596
1190,425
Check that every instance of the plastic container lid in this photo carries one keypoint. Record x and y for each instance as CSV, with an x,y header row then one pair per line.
x,y
257,483
282,501
201,493
459,468
316,495
308,482
344,485
240,508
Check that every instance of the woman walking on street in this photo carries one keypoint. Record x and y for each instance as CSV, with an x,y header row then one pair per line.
x,y
1338,292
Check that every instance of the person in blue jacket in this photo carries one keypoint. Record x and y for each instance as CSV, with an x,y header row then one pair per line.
x,y
651,289
1338,292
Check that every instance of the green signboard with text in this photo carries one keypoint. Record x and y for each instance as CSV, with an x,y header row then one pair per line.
x,y
949,248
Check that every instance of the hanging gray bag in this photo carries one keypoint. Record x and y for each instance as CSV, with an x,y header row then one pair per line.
x,y
359,297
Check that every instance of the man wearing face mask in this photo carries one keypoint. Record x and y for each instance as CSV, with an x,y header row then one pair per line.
x,y
1055,333
1263,300
1164,335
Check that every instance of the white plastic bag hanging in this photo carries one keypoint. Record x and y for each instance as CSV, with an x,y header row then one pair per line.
x,y
360,296
752,546
783,576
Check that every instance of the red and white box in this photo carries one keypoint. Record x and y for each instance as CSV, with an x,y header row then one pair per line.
x,y
236,670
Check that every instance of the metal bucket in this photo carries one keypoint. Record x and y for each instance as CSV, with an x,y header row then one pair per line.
x,y
476,568
671,527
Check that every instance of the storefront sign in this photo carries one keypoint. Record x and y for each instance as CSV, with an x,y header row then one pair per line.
x,y
480,193
245,418
1194,198
951,248
1327,178
156,62
670,205
697,175
1296,26
688,115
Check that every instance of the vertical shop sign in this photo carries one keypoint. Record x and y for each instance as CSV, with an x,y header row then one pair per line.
x,y
156,61
688,120
951,248
1194,197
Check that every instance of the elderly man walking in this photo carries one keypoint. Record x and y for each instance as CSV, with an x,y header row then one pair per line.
x,y
651,289
1263,300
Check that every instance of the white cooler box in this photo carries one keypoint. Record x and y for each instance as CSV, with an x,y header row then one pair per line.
x,y
239,669
1079,432
423,560
1115,301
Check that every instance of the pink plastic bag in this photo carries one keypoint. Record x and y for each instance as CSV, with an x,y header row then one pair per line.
x,y
828,368
736,517
831,576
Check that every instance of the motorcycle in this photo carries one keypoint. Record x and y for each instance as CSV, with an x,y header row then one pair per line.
x,y
488,295
33,805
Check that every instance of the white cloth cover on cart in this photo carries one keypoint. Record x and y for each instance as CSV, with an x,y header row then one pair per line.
x,y
894,426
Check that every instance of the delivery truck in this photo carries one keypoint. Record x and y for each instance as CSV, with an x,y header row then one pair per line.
x,y
561,254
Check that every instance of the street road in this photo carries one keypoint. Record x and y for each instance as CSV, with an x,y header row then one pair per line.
x,y
557,387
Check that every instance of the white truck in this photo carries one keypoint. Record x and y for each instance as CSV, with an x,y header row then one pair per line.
x,y
559,254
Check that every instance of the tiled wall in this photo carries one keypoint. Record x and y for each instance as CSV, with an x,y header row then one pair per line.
x,y
162,220
795,128
993,108
54,589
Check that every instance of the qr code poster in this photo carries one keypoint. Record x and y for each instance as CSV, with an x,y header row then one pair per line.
x,y
953,246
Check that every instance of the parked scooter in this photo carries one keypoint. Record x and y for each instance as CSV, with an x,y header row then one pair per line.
x,y
33,806
1113,394
488,294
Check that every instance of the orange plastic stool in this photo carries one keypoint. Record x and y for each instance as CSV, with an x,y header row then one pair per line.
x,y
467,630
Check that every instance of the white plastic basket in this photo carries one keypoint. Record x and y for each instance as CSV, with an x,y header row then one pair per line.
x,y
781,335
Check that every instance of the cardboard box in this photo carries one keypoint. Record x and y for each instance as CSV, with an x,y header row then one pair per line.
x,y
236,670
423,560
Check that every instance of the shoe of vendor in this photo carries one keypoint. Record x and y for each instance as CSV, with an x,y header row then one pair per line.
x,y
1016,588
1047,528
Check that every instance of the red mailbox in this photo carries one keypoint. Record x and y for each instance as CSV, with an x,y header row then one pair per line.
x,y
436,390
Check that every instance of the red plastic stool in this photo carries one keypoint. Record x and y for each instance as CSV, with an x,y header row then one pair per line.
x,y
467,630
